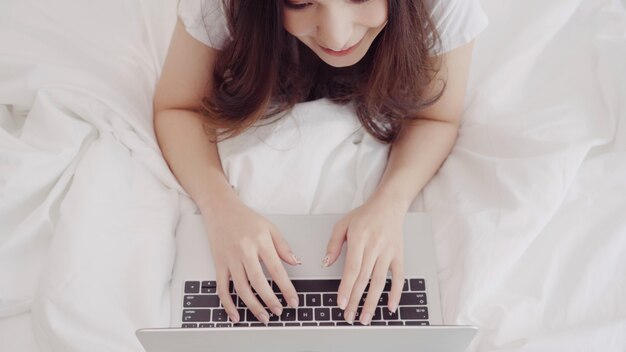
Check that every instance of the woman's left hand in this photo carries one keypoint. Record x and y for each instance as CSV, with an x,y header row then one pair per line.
x,y
374,236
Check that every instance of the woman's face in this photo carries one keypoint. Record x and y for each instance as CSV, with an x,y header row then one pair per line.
x,y
339,31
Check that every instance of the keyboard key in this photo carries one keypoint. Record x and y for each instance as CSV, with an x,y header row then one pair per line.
x,y
327,323
378,323
377,314
305,314
292,324
192,287
241,303
387,287
231,286
194,301
322,314
384,299
241,325
242,314
208,287
250,316
196,315
275,324
313,300
357,316
418,285
324,285
190,325
309,324
289,314
223,325
413,313
363,298
257,325
416,322
207,325
329,299
282,300
387,315
405,288
395,323
219,315
343,323
273,317
413,299
337,314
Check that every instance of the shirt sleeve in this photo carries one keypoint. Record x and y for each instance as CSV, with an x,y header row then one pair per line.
x,y
205,21
457,21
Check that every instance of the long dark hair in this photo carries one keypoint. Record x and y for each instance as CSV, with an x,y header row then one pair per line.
x,y
263,71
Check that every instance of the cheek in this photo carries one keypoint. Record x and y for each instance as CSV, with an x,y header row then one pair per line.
x,y
297,26
374,15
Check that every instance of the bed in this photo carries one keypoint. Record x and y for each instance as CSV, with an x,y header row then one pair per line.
x,y
528,211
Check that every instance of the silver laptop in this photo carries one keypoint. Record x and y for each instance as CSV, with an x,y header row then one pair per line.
x,y
199,322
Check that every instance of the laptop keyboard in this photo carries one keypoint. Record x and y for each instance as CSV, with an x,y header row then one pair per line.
x,y
318,306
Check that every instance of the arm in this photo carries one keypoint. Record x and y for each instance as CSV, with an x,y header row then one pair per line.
x,y
373,231
191,156
237,235
422,148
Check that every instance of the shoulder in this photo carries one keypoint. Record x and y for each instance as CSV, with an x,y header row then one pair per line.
x,y
457,22
205,20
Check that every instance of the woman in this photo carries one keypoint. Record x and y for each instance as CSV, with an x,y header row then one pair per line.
x,y
232,64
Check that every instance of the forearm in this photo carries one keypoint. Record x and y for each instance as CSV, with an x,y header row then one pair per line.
x,y
414,159
192,157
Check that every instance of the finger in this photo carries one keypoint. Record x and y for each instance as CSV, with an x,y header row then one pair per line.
x,y
261,285
223,292
351,269
282,247
278,273
245,293
333,249
377,284
367,266
397,282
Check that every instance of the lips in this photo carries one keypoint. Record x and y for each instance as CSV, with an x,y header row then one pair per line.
x,y
342,52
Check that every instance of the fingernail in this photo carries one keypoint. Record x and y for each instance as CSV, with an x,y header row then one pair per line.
x,y
393,308
365,318
325,261
293,302
234,319
296,259
278,310
349,316
264,318
343,303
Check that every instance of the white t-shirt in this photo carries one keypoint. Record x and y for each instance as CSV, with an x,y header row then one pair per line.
x,y
458,21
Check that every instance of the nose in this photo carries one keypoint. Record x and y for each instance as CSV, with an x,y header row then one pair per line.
x,y
335,28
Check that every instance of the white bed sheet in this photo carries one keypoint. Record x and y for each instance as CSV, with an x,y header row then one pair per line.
x,y
527,210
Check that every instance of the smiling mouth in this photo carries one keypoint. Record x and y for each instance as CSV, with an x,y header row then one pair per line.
x,y
342,52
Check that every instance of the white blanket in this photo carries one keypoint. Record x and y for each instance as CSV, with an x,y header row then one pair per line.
x,y
528,210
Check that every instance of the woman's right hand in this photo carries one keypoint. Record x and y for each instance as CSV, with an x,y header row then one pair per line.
x,y
239,239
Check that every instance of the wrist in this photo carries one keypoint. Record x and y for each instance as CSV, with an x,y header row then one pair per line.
x,y
216,199
396,201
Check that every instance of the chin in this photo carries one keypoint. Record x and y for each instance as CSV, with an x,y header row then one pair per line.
x,y
339,62
336,64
